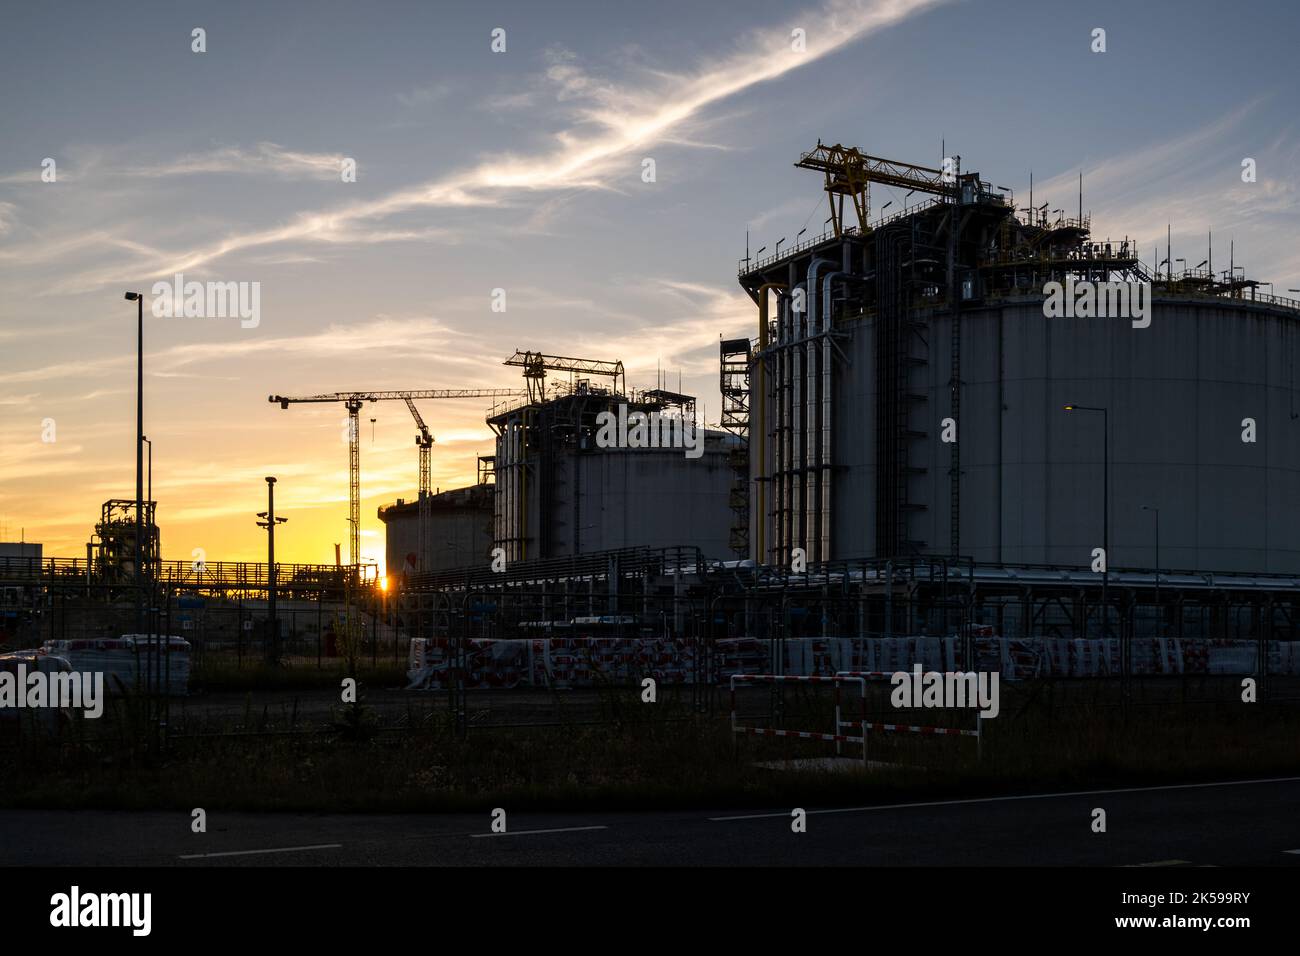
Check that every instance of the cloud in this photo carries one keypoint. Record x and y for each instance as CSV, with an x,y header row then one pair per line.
x,y
504,102
265,158
609,121
1192,184
424,96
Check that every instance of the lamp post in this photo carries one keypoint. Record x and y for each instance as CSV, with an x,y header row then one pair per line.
x,y
1105,507
148,492
269,521
138,299
1160,618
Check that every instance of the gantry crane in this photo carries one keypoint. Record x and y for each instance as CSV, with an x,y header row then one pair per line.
x,y
848,172
535,365
353,401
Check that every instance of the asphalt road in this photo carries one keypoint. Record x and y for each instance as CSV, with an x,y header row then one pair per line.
x,y
1246,823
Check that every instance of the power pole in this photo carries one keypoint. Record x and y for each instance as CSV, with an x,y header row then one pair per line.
x,y
269,522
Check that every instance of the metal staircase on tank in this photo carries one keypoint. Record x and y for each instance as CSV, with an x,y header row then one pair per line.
x,y
902,348
734,356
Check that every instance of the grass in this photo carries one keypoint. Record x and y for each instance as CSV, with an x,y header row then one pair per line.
x,y
359,760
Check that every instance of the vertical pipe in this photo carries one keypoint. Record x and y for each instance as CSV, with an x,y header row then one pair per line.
x,y
139,463
796,432
503,487
516,532
509,513
826,464
787,424
778,469
523,488
758,434
812,473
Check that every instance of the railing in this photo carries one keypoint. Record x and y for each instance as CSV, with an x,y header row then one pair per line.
x,y
1195,277
743,268
1091,251
234,574
1266,299
594,564
911,210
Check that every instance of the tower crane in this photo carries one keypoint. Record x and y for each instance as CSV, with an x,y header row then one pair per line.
x,y
353,402
423,441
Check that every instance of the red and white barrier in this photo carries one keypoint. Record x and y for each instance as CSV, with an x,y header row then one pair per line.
x,y
977,733
835,738
929,731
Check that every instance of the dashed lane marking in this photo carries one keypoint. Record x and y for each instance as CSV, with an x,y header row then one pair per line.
x,y
282,849
477,836
1028,796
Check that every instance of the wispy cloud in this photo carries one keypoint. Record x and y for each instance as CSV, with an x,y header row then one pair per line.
x,y
424,95
1192,184
8,217
264,159
610,120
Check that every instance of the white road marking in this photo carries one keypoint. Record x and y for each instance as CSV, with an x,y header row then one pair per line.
x,y
282,849
1029,796
1297,852
524,832
1159,863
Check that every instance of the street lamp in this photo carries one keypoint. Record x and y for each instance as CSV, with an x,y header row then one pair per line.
x,y
1159,614
138,299
148,494
269,521
1105,506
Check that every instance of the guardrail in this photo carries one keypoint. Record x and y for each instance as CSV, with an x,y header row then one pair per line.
x,y
250,575
685,559
743,268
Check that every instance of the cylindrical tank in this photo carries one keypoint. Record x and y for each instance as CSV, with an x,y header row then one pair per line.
x,y
1204,437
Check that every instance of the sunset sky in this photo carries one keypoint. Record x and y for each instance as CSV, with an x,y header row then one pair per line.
x,y
522,171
